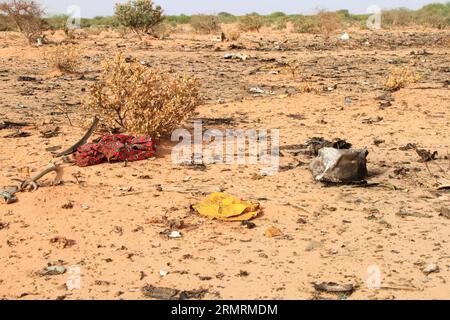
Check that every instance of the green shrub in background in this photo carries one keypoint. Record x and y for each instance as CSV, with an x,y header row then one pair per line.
x,y
141,16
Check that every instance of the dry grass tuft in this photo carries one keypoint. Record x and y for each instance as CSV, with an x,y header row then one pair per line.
x,y
400,77
65,58
136,99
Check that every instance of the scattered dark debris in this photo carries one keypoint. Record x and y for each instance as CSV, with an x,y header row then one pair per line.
x,y
234,46
5,124
118,230
301,221
384,104
288,167
403,213
426,155
68,205
4,225
385,97
243,273
316,143
176,224
62,242
248,224
296,116
193,294
372,120
52,271
216,121
408,146
26,78
362,184
195,166
18,134
161,293
137,229
402,171
332,287
378,141
50,133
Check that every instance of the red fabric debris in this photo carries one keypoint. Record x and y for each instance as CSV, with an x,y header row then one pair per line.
x,y
115,148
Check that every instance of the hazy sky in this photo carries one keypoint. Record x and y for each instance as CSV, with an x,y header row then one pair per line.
x,y
91,8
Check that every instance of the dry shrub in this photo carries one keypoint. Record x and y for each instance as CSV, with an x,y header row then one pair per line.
x,y
280,24
65,58
251,22
330,22
307,87
133,98
27,16
205,23
163,31
307,24
400,17
233,34
400,77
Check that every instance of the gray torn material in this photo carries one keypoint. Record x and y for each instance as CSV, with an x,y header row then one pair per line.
x,y
334,165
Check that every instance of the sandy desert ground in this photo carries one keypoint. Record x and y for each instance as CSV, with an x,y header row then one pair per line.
x,y
113,220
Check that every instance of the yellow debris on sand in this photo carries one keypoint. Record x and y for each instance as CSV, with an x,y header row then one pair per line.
x,y
225,207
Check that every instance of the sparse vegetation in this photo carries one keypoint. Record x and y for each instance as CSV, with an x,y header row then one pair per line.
x,y
203,23
400,77
307,24
330,22
27,16
133,98
146,21
141,16
64,58
251,22
436,15
400,17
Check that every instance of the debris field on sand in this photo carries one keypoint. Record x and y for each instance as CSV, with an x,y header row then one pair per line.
x,y
362,188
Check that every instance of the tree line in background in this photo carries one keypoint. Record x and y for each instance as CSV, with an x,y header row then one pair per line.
x,y
143,17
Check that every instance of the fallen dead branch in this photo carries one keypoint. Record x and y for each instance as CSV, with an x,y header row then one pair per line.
x,y
9,194
83,140
51,167
4,124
